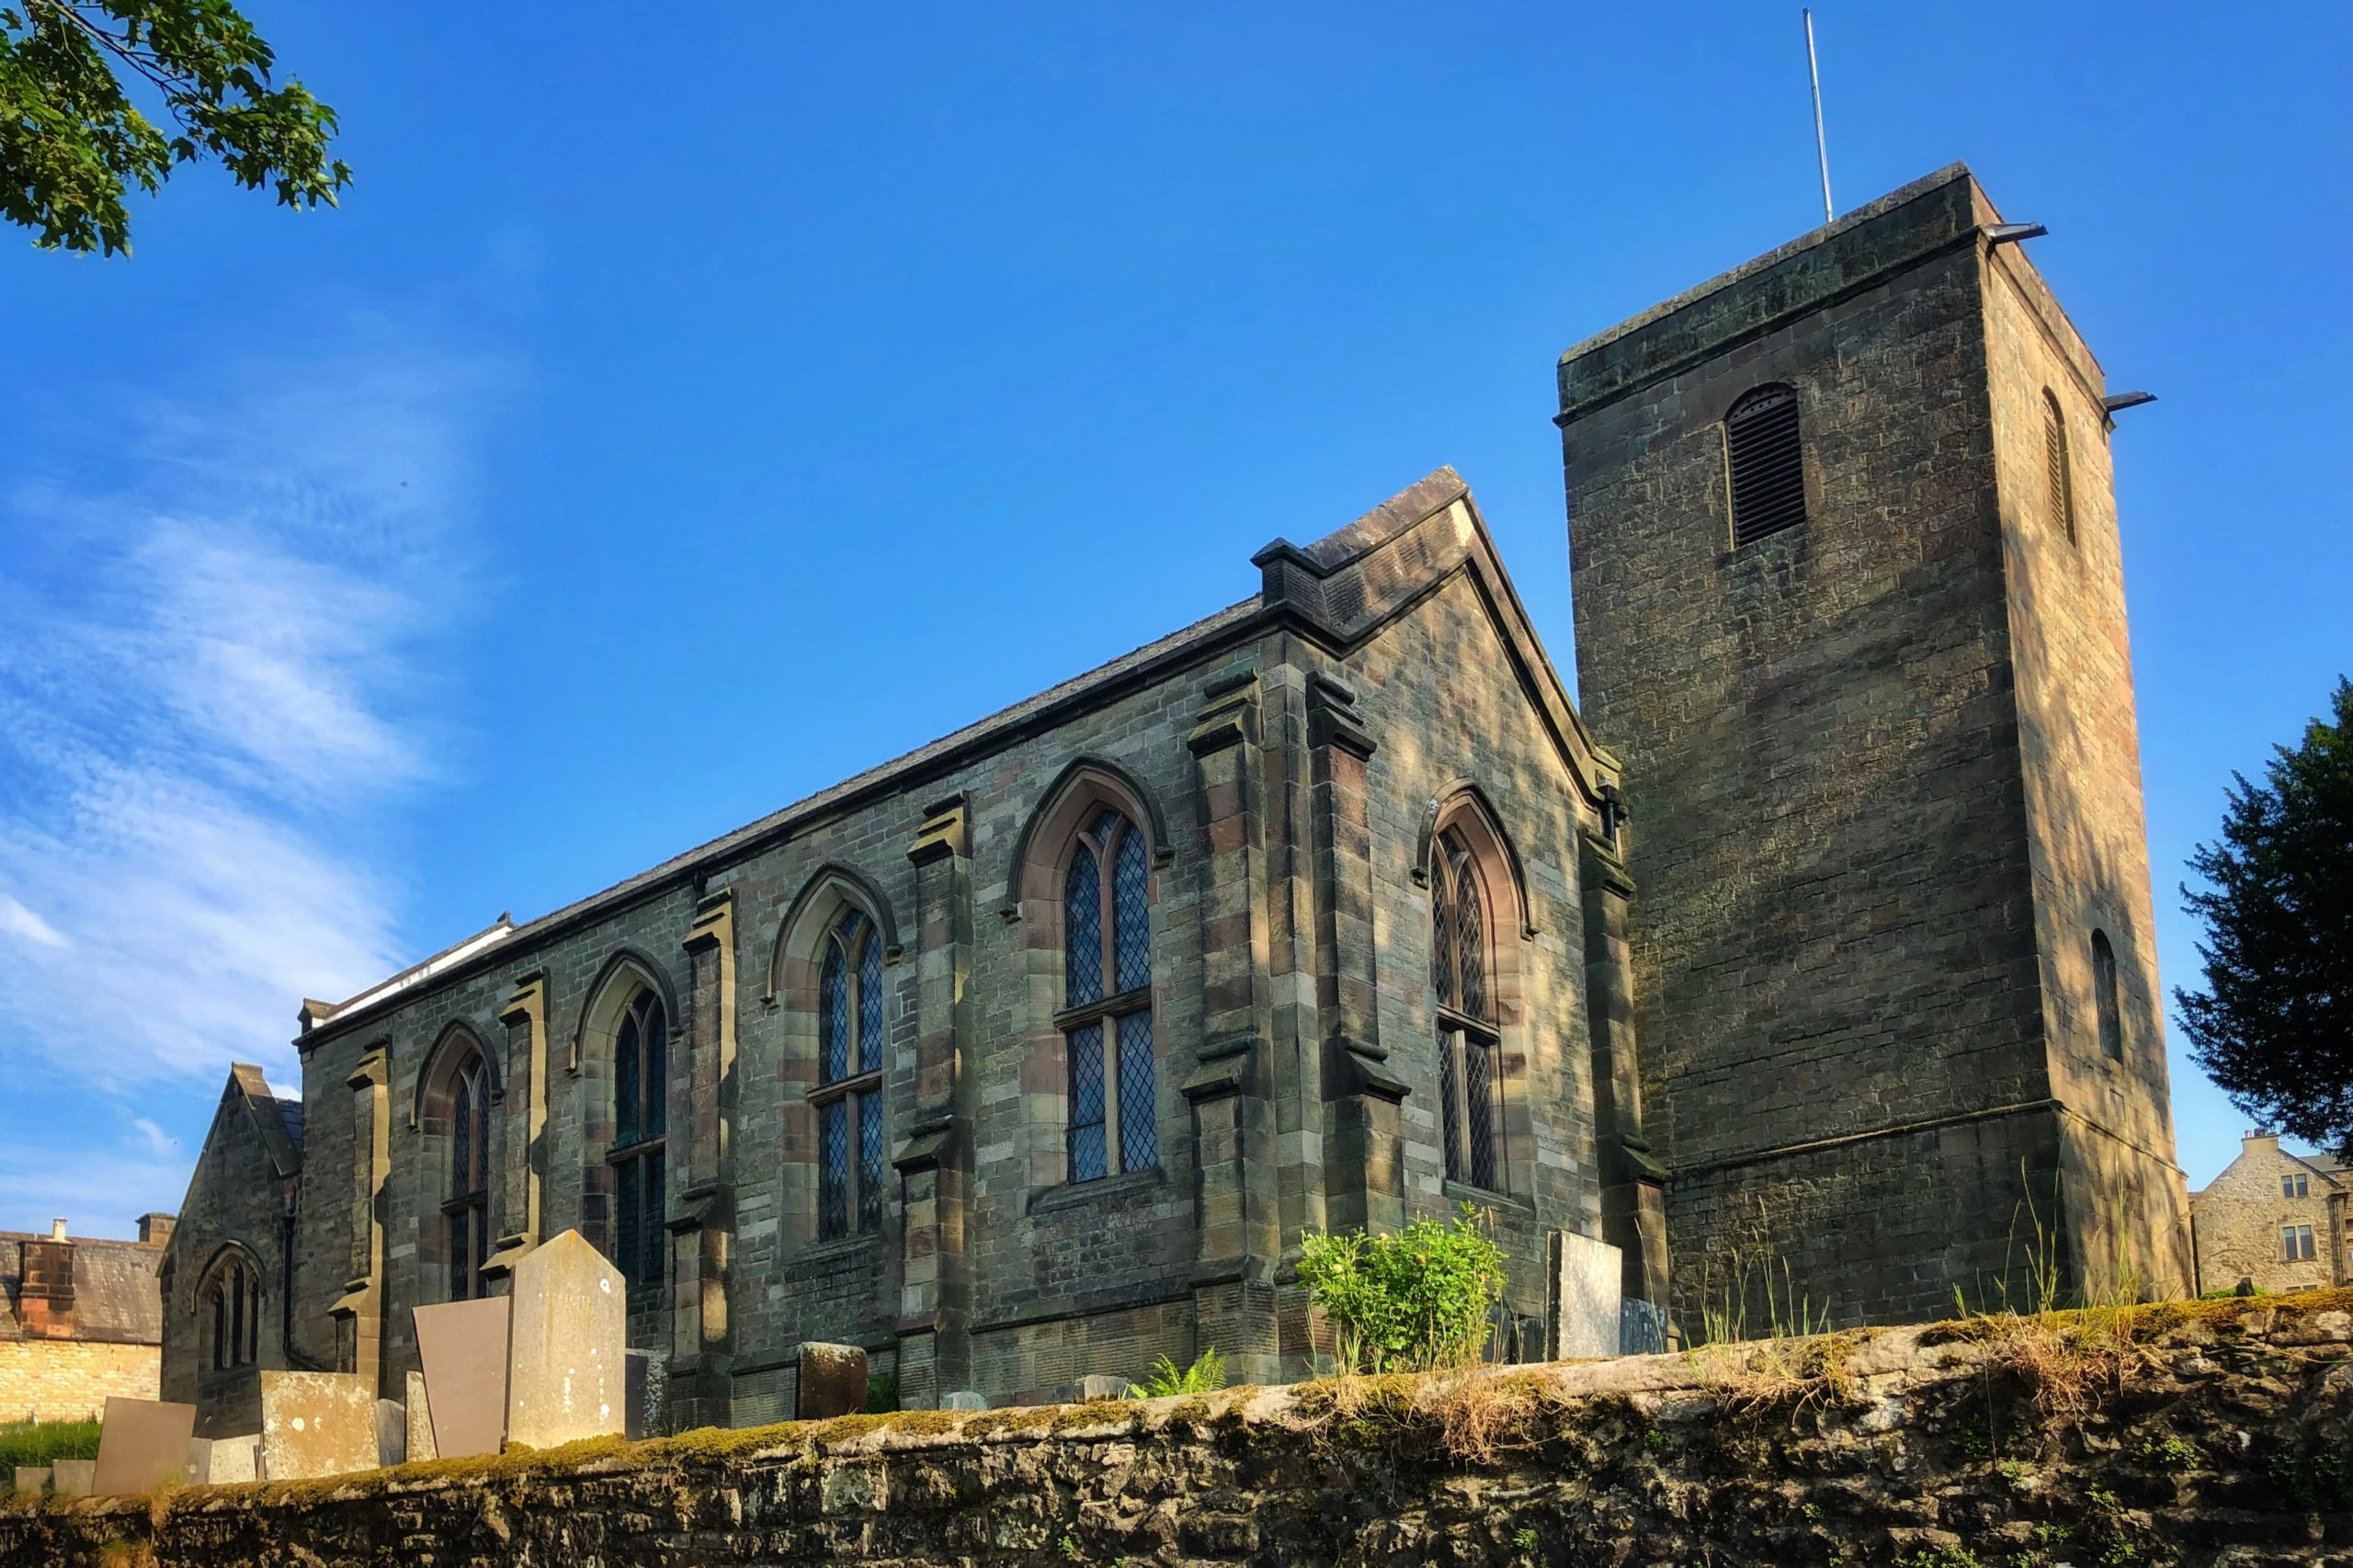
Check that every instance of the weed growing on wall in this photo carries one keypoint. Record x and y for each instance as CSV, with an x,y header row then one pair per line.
x,y
1206,1375
1416,1299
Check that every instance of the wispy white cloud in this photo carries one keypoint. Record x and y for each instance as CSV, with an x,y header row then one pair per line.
x,y
219,668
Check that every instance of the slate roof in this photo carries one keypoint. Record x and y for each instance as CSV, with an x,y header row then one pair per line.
x,y
116,1298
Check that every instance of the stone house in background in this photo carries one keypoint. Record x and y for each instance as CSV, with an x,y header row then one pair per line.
x,y
81,1319
2274,1220
1034,1053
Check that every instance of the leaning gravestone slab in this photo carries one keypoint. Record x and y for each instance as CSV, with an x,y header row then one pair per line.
x,y
32,1478
1101,1385
463,1347
832,1383
1641,1328
217,1461
143,1443
391,1432
71,1478
966,1399
1581,1296
317,1424
643,1384
417,1411
565,1378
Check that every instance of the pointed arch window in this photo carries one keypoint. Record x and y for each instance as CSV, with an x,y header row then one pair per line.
x,y
1765,455
641,1121
231,1306
465,1207
2058,467
1469,1042
1106,1019
2106,1003
848,1097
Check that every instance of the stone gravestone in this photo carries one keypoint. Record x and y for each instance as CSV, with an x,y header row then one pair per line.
x,y
833,1381
317,1424
1582,1282
32,1478
566,1375
462,1345
1099,1385
417,1414
643,1385
966,1399
217,1461
1641,1328
392,1432
71,1478
143,1443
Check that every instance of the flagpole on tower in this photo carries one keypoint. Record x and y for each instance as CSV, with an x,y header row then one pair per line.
x,y
1820,143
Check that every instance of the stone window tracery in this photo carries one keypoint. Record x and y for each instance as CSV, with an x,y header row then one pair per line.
x,y
1469,1039
231,1303
849,1098
2058,468
1106,1019
465,1208
640,1117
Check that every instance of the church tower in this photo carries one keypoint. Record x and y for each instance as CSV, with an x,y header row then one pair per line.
x,y
1850,609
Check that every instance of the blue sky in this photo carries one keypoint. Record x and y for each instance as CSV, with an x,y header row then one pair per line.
x,y
689,408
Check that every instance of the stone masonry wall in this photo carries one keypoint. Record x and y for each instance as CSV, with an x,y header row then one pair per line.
x,y
2203,1435
71,1380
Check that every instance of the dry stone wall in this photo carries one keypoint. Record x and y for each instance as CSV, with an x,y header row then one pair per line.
x,y
2205,1435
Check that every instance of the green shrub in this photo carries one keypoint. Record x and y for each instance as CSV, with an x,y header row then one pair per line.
x,y
1206,1375
45,1442
1416,1299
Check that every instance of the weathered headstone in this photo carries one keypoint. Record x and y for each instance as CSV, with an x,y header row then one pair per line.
x,y
216,1462
1641,1328
643,1386
1101,1385
565,1377
833,1381
392,1432
417,1411
32,1478
143,1443
71,1478
966,1399
462,1345
1581,1295
317,1424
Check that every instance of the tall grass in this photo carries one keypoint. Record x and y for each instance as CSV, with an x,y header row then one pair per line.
x,y
44,1442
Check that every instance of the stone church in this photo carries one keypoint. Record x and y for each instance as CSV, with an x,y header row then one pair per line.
x,y
1815,947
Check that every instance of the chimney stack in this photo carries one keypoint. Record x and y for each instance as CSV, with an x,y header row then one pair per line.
x,y
57,1230
155,1230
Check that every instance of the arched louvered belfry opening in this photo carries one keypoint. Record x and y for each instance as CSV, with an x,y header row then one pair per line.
x,y
1764,452
2107,1002
2058,466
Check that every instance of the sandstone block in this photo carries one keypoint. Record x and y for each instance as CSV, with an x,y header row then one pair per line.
x,y
417,1410
833,1381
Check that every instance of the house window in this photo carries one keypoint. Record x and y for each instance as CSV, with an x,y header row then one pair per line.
x,y
465,1211
2058,472
232,1309
1106,1020
849,1098
641,1116
2296,1244
1469,1045
2297,1185
1762,448
2106,1001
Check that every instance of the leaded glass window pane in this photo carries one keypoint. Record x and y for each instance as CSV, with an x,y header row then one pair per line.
x,y
462,1137
651,1252
627,1069
1479,1093
654,1119
870,1004
628,1219
833,1014
1083,928
1139,1106
1450,1044
1132,912
1088,1158
870,1164
1470,940
833,1171
1442,934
